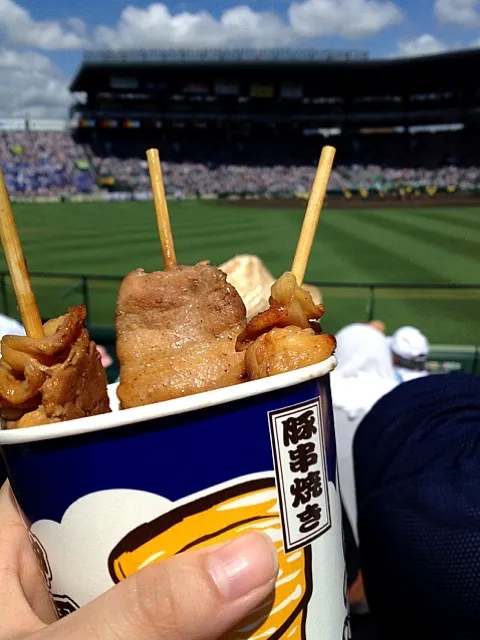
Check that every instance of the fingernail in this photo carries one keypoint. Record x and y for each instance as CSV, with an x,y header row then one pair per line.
x,y
243,565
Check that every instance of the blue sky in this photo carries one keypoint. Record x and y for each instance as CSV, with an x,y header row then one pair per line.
x,y
41,41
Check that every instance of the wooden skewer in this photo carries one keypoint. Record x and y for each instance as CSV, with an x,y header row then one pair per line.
x,y
161,209
312,215
18,267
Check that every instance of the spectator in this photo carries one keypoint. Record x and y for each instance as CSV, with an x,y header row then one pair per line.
x,y
410,349
417,469
46,163
364,374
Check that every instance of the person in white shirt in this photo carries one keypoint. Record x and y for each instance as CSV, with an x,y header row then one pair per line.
x,y
363,375
410,350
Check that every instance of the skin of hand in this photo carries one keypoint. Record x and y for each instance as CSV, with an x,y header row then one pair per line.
x,y
198,595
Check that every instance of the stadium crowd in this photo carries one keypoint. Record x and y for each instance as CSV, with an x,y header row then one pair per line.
x,y
45,163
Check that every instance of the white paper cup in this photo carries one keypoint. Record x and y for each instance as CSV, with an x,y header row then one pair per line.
x,y
105,496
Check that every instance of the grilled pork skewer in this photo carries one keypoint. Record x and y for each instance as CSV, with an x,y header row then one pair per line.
x,y
176,333
52,379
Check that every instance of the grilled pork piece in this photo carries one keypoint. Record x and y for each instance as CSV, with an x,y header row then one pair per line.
x,y
176,333
52,379
286,336
285,349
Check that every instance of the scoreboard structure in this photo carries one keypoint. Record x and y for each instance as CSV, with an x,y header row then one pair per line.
x,y
307,89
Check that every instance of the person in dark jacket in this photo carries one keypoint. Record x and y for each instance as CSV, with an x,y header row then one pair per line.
x,y
417,466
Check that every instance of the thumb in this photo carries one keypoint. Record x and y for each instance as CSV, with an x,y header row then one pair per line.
x,y
198,595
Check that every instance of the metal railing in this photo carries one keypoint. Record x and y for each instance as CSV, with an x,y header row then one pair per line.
x,y
372,287
82,287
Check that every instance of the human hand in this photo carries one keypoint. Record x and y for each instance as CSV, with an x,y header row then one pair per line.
x,y
198,595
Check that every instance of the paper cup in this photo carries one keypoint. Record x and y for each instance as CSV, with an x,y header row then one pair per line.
x,y
105,496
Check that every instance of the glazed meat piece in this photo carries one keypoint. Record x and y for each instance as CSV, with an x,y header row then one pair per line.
x,y
285,349
176,334
290,305
52,379
286,336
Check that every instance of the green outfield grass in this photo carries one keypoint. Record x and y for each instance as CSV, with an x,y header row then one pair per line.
x,y
434,245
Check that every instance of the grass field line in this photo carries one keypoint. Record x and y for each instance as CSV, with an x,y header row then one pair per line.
x,y
443,227
460,247
393,251
456,224
417,247
457,213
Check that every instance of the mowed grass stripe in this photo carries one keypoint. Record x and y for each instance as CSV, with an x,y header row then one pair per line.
x,y
199,235
449,228
196,228
445,228
335,257
416,243
273,243
218,247
98,258
391,256
450,256
463,251
456,218
81,242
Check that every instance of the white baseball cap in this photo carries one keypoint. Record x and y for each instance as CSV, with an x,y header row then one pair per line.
x,y
410,343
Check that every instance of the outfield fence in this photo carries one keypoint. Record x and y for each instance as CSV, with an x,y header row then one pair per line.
x,y
438,304
381,290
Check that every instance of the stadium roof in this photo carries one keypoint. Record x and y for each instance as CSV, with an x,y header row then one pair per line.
x,y
188,56
336,72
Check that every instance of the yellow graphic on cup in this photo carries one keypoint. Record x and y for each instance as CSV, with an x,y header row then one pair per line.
x,y
217,518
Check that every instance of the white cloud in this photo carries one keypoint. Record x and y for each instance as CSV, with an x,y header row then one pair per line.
x,y
462,12
266,28
17,28
31,86
423,45
348,18
156,26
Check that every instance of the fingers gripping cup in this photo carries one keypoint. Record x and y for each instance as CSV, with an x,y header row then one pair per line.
x,y
108,495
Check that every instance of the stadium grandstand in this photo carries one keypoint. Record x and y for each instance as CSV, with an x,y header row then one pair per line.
x,y
248,123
